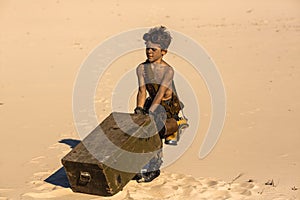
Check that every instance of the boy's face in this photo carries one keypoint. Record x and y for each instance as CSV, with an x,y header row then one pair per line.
x,y
154,52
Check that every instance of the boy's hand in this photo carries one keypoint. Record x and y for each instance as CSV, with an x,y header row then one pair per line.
x,y
139,110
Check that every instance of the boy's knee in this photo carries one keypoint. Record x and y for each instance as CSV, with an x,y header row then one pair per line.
x,y
171,126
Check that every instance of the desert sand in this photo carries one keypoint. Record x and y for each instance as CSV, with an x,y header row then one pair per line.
x,y
255,45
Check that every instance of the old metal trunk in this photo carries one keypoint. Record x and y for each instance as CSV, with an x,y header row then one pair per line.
x,y
110,156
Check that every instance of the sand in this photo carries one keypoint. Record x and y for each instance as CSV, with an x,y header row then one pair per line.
x,y
255,45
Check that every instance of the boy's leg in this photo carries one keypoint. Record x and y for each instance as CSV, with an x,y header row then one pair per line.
x,y
152,169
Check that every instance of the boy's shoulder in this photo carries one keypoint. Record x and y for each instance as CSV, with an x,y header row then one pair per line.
x,y
146,63
166,68
141,66
143,63
167,65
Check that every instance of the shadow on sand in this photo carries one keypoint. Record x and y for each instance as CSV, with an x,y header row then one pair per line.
x,y
59,177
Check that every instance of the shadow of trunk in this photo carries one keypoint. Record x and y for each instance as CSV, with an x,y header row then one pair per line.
x,y
59,178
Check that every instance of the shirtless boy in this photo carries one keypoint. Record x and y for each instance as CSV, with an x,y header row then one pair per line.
x,y
155,76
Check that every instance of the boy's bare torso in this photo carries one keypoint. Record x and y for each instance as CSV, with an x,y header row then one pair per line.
x,y
159,71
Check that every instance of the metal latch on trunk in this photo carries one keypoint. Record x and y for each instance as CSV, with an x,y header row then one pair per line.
x,y
84,178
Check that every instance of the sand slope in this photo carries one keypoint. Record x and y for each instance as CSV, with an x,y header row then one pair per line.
x,y
255,45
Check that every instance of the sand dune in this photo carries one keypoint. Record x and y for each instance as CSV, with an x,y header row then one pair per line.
x,y
255,45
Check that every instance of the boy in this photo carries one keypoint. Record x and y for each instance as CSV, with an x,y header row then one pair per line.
x,y
155,76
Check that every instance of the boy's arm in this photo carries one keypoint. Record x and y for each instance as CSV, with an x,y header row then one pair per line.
x,y
141,95
164,85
